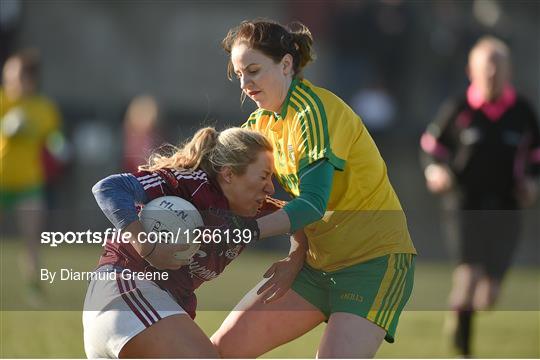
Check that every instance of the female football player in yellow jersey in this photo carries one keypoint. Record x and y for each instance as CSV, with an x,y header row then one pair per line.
x,y
27,121
357,273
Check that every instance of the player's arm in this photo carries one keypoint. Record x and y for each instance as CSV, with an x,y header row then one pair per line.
x,y
436,141
13,123
436,144
315,185
282,273
271,205
299,244
527,187
117,196
533,161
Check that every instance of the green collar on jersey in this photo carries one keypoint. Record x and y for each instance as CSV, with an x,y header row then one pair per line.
x,y
285,105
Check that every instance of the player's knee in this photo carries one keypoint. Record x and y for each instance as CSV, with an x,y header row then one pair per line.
x,y
486,296
482,304
467,273
465,280
224,343
337,352
235,344
461,296
157,350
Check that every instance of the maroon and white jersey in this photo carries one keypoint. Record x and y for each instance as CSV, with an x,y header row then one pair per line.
x,y
210,260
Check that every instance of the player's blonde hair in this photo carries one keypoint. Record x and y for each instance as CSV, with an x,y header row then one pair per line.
x,y
273,40
211,150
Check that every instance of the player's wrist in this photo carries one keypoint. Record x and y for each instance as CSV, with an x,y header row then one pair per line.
x,y
252,225
245,224
297,256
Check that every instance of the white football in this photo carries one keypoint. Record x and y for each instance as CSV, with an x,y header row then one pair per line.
x,y
171,218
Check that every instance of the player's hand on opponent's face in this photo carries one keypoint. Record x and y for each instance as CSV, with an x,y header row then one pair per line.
x,y
438,178
280,276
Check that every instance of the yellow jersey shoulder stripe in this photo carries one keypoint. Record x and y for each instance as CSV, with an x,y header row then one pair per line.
x,y
254,117
318,107
307,135
312,123
316,115
305,115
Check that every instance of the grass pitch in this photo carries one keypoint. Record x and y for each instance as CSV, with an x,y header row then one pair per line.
x,y
512,330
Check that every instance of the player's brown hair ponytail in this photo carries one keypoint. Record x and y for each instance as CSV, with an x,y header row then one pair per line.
x,y
210,150
303,43
273,40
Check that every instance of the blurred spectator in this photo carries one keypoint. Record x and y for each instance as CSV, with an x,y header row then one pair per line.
x,y
55,156
10,17
28,120
141,135
482,152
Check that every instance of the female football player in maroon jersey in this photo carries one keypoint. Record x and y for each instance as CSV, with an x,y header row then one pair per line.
x,y
221,173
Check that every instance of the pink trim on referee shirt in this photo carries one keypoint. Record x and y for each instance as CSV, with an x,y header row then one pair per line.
x,y
495,109
431,146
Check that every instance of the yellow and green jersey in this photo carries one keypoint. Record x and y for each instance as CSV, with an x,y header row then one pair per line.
x,y
20,153
364,218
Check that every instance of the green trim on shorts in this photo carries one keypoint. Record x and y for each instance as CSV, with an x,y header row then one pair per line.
x,y
376,290
8,199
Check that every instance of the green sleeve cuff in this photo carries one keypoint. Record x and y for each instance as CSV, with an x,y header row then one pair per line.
x,y
315,187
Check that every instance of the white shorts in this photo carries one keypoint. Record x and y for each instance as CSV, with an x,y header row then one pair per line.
x,y
116,309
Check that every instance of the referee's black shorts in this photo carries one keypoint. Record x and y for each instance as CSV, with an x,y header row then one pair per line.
x,y
487,238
